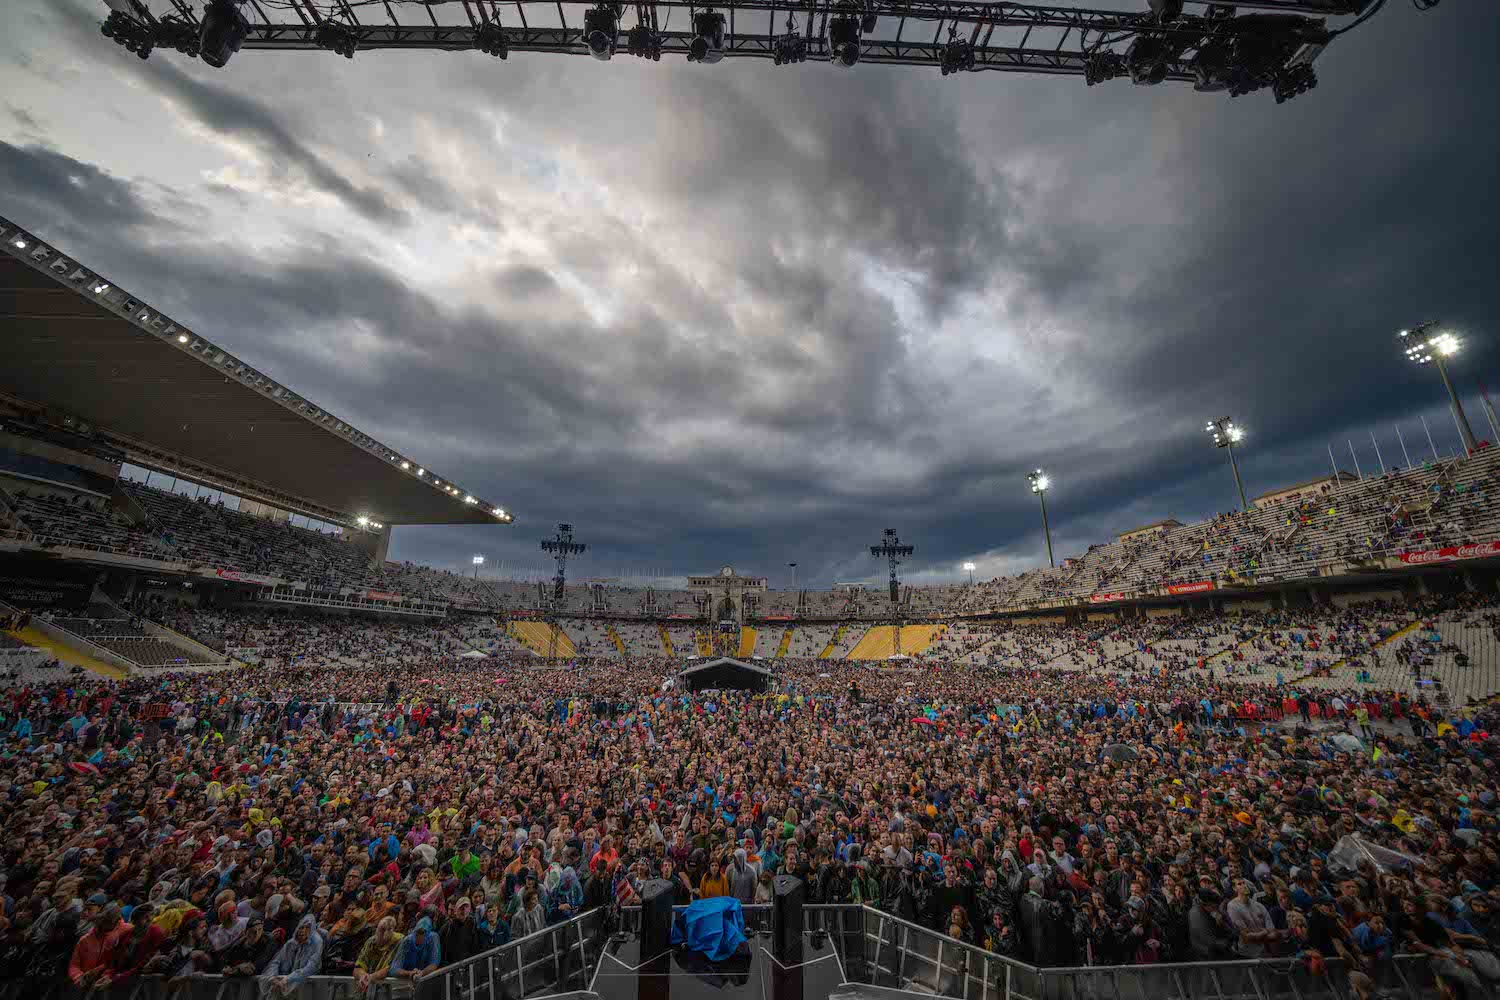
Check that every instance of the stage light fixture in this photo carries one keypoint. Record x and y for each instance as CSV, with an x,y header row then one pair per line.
x,y
791,47
337,38
182,338
957,56
362,521
843,41
490,39
1147,59
222,32
643,42
707,45
405,466
601,30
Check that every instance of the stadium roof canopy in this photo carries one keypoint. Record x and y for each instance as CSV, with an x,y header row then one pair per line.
x,y
84,353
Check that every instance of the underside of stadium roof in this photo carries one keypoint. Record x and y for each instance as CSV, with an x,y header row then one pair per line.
x,y
85,354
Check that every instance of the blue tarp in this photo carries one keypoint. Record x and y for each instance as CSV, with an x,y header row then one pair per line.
x,y
715,927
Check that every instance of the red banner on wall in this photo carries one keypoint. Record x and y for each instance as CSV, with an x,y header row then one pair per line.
x,y
1190,588
1451,554
776,618
1106,598
381,595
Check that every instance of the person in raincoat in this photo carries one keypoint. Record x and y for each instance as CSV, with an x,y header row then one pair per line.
x,y
298,959
420,952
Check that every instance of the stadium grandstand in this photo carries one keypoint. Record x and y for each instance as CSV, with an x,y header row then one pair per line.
x,y
1249,756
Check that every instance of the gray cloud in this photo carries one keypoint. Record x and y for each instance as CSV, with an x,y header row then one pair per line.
x,y
733,315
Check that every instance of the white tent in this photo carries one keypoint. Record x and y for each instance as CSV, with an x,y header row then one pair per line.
x,y
473,654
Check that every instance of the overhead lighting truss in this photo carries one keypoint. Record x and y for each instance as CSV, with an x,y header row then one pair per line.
x,y
1250,46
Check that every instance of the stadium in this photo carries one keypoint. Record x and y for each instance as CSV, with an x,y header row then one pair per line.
x,y
263,735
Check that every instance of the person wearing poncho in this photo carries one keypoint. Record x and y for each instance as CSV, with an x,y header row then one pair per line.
x,y
299,958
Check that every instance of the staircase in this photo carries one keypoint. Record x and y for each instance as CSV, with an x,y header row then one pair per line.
x,y
747,642
666,640
838,637
703,642
786,642
614,637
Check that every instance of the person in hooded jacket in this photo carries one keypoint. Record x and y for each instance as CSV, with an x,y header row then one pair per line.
x,y
420,952
299,958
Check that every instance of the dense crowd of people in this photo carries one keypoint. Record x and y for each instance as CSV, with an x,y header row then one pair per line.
x,y
381,808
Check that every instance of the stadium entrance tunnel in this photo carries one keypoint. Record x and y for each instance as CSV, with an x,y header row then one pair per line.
x,y
724,673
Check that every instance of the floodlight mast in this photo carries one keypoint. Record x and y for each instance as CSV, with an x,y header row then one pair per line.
x,y
970,567
893,551
560,547
1040,483
1424,344
1207,44
1226,435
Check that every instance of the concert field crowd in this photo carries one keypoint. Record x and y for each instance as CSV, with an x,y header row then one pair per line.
x,y
304,817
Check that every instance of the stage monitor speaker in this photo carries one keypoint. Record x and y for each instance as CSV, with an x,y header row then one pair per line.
x,y
786,917
656,917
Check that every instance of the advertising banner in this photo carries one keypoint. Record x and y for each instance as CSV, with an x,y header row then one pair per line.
x,y
1451,554
381,595
1190,588
235,576
1106,598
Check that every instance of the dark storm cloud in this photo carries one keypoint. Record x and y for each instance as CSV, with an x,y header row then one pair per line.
x,y
735,377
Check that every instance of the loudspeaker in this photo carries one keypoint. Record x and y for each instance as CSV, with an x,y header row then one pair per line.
x,y
656,917
786,918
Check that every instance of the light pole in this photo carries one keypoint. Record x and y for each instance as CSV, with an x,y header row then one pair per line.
x,y
794,575
1424,345
970,567
1227,435
478,561
1039,483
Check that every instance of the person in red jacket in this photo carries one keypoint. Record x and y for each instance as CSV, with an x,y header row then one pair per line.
x,y
94,953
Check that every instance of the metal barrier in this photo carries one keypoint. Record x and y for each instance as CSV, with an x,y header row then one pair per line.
x,y
557,959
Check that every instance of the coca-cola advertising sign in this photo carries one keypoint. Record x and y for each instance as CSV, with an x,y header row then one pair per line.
x,y
1106,598
1453,553
1190,588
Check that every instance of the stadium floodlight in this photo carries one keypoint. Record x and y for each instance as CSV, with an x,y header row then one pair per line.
x,y
405,465
970,567
182,338
222,32
1226,435
1040,483
362,521
478,561
707,45
100,289
601,30
1425,345
21,244
469,499
498,512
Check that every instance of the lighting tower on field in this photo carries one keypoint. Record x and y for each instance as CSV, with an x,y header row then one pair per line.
x,y
1039,485
971,568
560,548
1423,345
892,551
1226,435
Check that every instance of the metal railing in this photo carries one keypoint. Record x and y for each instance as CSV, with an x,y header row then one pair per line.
x,y
557,959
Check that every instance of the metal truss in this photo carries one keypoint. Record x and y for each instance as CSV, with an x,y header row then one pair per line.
x,y
1212,45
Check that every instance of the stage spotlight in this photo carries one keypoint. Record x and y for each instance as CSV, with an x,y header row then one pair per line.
x,y
1147,58
707,45
957,56
843,41
337,38
642,41
490,39
222,33
601,31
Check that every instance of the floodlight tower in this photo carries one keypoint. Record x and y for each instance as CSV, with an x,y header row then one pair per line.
x,y
970,567
1226,435
891,549
1424,344
478,561
560,548
1039,484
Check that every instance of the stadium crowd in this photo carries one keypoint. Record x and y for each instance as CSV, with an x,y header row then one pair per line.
x,y
381,809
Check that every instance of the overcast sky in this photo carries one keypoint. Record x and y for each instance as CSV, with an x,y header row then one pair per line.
x,y
744,315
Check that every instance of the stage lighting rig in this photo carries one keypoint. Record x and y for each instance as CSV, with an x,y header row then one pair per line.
x,y
222,31
129,33
340,39
790,47
845,32
601,30
707,45
490,39
957,56
642,41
